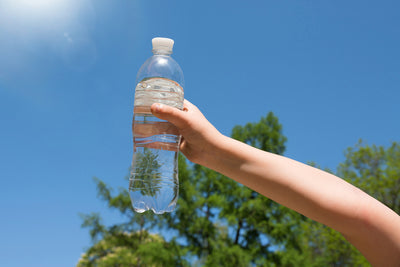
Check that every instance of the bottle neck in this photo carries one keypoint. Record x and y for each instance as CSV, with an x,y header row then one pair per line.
x,y
161,52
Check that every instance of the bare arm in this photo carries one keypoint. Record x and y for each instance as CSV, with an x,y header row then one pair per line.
x,y
369,225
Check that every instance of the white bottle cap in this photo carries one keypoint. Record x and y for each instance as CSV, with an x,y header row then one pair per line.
x,y
165,44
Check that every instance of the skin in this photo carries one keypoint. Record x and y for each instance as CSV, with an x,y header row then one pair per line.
x,y
370,226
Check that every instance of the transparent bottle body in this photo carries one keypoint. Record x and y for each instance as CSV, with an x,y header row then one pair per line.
x,y
154,182
162,65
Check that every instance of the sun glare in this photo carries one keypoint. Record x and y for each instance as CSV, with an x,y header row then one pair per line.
x,y
37,9
57,25
38,4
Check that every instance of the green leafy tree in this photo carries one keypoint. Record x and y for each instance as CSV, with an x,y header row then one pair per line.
x,y
130,249
219,222
147,173
127,243
319,245
374,169
223,222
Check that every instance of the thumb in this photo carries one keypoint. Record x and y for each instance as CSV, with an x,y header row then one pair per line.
x,y
173,115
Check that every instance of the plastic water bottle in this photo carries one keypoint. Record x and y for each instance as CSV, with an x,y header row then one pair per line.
x,y
153,183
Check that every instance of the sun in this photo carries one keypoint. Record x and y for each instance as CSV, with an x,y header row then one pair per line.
x,y
39,10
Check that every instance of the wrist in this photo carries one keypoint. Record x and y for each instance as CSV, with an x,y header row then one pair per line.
x,y
221,154
212,153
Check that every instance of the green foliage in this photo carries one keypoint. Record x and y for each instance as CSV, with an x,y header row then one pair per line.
x,y
266,134
219,222
321,246
147,172
127,243
129,249
375,170
217,217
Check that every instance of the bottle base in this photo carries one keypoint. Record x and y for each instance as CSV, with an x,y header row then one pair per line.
x,y
142,203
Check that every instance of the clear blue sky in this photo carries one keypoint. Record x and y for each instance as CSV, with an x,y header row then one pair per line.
x,y
329,70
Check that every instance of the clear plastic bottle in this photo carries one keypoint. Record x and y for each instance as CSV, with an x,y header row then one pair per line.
x,y
153,183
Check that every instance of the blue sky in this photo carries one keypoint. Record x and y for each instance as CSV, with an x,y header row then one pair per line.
x,y
329,70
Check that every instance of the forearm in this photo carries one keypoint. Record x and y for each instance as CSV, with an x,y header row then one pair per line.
x,y
300,187
314,193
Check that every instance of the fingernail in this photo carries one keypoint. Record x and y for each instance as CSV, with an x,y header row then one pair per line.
x,y
157,107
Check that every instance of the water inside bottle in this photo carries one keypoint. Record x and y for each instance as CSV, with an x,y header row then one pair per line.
x,y
158,90
154,184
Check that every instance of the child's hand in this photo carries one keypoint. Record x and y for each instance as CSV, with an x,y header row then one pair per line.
x,y
198,135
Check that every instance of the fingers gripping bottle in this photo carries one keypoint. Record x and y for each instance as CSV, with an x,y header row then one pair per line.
x,y
153,183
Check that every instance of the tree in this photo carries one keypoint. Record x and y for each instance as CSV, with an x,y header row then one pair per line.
x,y
129,249
374,169
127,243
223,221
219,222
